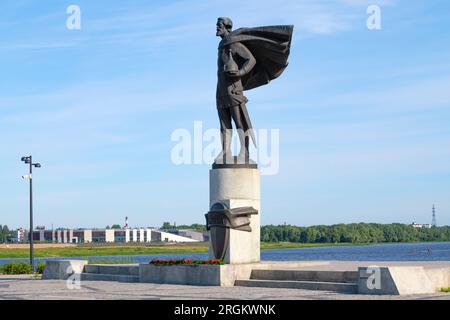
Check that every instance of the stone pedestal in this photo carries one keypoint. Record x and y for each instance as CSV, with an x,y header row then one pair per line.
x,y
62,269
235,188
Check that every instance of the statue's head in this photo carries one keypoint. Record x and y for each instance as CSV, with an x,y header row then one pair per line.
x,y
224,26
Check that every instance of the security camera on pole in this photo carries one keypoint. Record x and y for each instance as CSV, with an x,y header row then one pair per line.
x,y
29,160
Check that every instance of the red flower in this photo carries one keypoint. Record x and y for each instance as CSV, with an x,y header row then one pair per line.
x,y
185,261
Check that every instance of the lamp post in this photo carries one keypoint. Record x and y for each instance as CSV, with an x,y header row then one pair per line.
x,y
29,160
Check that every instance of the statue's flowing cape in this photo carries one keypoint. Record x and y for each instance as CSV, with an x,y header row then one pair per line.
x,y
270,46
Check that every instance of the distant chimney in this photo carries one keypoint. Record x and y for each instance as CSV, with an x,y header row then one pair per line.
x,y
433,221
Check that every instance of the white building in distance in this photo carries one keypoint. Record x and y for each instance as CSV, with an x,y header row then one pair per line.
x,y
137,235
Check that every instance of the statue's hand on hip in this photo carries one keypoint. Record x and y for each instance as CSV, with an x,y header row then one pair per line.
x,y
233,75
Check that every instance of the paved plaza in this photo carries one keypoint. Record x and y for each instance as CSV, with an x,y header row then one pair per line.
x,y
26,288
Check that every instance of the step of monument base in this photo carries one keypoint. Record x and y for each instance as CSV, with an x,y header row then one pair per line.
x,y
109,277
306,275
305,285
118,269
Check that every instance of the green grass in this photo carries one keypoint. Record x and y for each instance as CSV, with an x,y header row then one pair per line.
x,y
445,290
89,250
86,251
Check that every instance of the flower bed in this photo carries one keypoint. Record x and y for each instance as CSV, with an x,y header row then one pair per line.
x,y
172,262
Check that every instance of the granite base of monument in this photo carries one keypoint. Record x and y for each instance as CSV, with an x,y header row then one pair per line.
x,y
62,269
233,188
423,278
212,275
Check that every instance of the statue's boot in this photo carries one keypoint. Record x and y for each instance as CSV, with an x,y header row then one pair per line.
x,y
228,158
242,158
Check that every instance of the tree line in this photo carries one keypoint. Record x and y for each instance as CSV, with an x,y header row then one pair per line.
x,y
342,233
354,233
5,234
196,226
339,233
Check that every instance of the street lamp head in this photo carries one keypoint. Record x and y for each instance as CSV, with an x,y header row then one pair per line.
x,y
26,159
37,165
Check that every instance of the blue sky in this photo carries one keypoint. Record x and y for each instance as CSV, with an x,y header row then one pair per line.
x,y
363,115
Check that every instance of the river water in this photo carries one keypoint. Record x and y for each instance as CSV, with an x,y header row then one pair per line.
x,y
383,252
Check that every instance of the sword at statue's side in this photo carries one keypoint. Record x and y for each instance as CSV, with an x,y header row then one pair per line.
x,y
249,124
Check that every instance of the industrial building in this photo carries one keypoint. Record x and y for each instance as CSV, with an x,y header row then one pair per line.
x,y
421,225
112,235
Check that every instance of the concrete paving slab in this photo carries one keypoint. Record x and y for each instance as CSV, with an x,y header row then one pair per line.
x,y
13,288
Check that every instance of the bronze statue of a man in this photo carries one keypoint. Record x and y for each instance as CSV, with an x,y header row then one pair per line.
x,y
247,58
